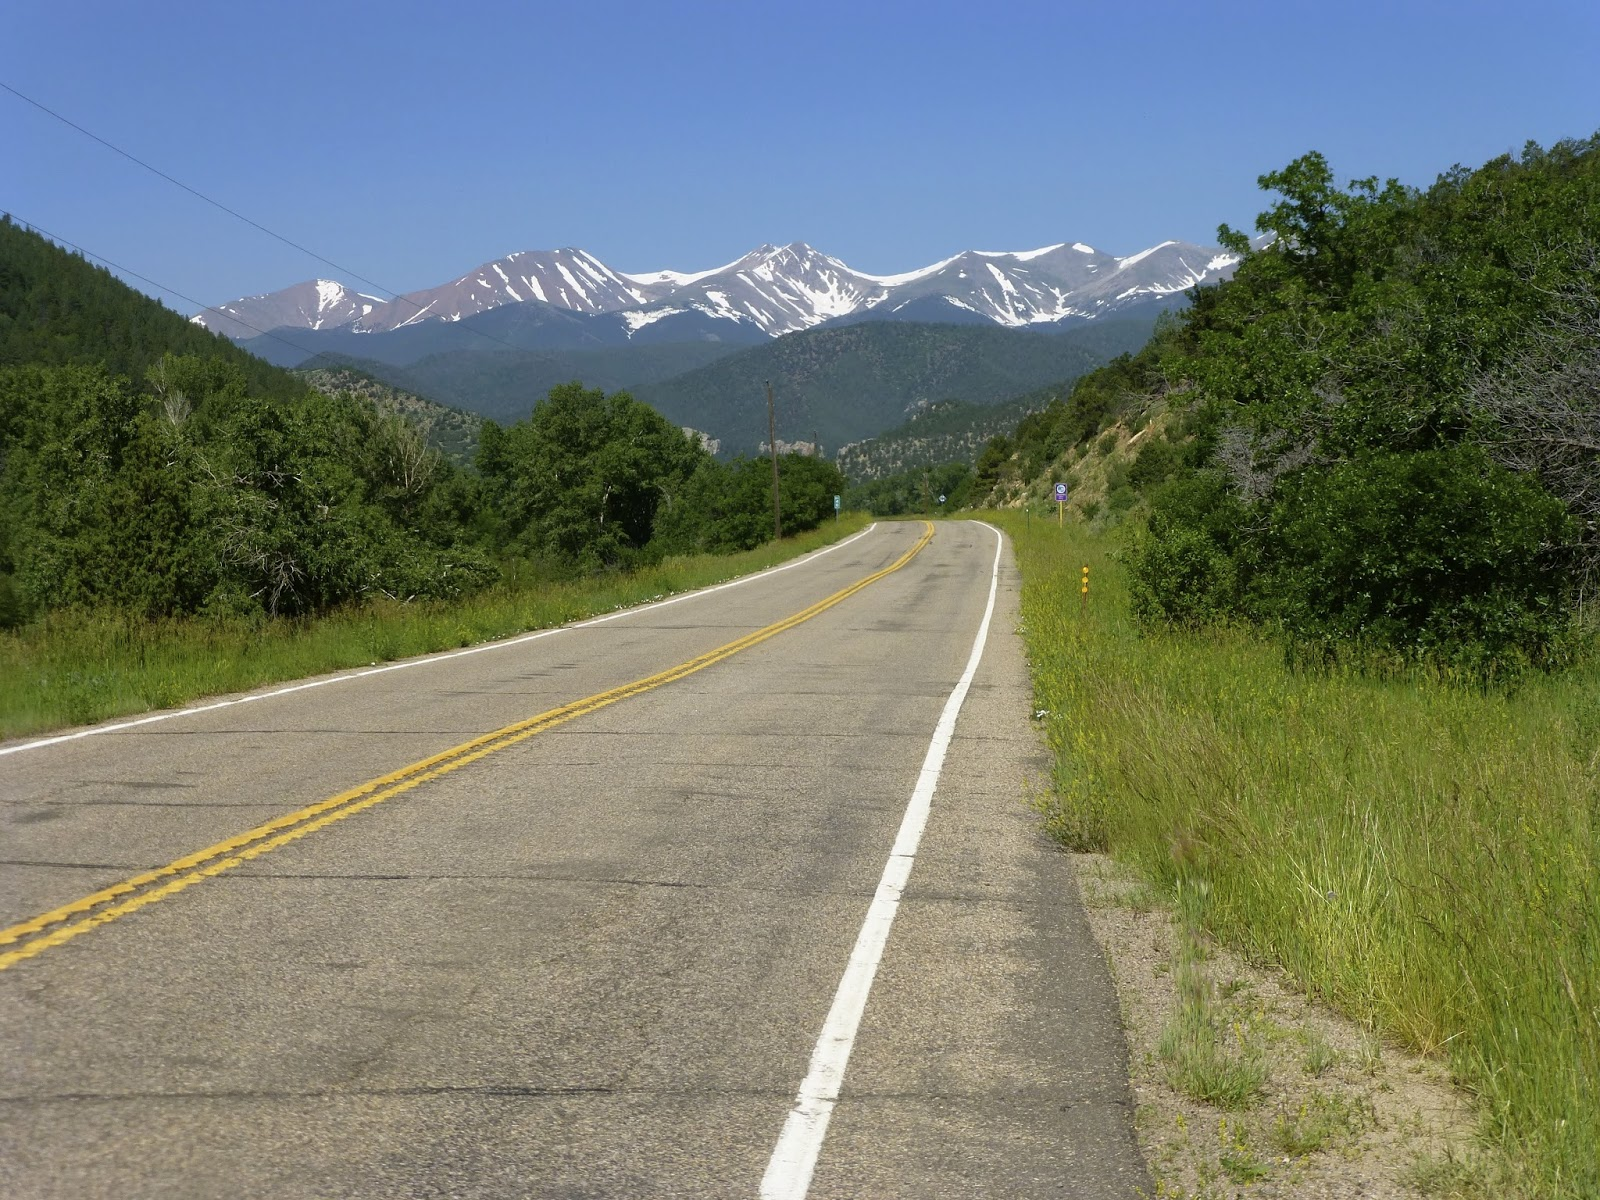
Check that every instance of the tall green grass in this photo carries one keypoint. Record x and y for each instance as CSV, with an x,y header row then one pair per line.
x,y
72,668
1422,853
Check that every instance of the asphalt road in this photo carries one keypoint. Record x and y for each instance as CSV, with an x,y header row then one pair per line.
x,y
595,961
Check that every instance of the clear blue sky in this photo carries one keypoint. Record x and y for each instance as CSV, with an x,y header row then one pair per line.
x,y
412,142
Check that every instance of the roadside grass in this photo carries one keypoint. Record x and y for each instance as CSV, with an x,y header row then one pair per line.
x,y
1421,853
1325,1120
1209,1058
74,668
1217,1064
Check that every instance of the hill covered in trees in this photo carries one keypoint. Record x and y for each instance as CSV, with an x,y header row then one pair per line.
x,y
451,431
851,382
57,309
504,383
1383,430
149,467
942,432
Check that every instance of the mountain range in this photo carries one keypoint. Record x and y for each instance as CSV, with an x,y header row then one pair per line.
x,y
563,299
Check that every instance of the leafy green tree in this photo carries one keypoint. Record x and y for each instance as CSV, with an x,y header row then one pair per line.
x,y
726,507
579,483
915,491
720,509
806,488
992,458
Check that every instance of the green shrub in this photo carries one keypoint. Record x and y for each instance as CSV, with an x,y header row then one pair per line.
x,y
1432,551
1181,577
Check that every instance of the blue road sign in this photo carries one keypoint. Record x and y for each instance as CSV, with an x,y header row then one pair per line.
x,y
1061,493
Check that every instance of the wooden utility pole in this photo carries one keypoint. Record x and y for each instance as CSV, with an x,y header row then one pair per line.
x,y
772,445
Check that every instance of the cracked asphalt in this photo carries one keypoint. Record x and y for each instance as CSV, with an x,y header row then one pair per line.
x,y
593,963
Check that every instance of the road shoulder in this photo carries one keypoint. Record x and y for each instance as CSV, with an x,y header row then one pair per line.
x,y
1337,1113
990,1060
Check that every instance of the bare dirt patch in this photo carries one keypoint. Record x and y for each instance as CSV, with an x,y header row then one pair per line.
x,y
1299,1101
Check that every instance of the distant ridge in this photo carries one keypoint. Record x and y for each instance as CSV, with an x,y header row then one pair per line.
x,y
772,290
846,383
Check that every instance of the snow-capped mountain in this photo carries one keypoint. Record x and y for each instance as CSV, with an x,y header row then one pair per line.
x,y
773,290
1056,283
317,304
566,278
569,279
778,288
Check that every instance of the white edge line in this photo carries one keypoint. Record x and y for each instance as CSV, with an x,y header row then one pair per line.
x,y
94,731
788,1175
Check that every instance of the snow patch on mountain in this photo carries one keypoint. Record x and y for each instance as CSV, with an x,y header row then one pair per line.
x,y
637,318
890,281
1142,255
1030,255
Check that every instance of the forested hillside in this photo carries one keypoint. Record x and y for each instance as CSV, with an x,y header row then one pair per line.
x,y
503,383
1384,430
945,431
449,430
152,469
57,309
850,382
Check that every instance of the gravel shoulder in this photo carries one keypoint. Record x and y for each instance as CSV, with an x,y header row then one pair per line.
x,y
1335,1112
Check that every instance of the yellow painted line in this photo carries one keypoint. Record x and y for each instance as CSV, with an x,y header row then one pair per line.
x,y
90,912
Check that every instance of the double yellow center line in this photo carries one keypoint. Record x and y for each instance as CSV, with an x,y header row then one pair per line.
x,y
62,924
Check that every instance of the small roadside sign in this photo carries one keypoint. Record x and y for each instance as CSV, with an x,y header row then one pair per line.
x,y
941,499
1061,493
836,504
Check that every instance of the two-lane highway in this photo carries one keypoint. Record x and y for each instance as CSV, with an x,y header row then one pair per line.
x,y
574,915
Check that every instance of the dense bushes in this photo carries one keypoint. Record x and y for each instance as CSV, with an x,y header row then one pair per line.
x,y
1426,551
213,500
192,496
1384,432
1431,552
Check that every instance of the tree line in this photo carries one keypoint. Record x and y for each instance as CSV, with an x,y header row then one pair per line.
x,y
153,468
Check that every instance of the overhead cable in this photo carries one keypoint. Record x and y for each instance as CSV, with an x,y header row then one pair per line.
x,y
133,158
160,287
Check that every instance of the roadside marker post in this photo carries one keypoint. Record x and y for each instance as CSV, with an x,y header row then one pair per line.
x,y
1061,503
836,508
1085,608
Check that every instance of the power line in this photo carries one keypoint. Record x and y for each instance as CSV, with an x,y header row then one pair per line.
x,y
398,297
160,287
199,195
